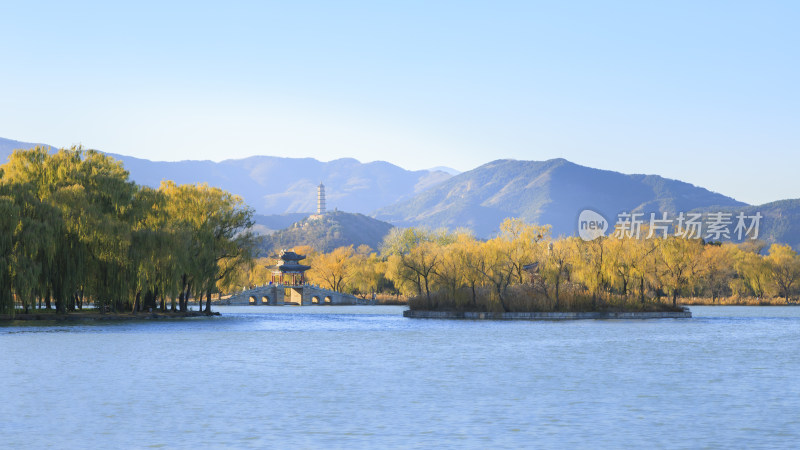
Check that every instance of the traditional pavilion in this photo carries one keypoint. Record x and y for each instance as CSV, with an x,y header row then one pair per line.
x,y
288,271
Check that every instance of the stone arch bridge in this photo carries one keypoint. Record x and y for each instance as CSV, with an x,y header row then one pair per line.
x,y
279,294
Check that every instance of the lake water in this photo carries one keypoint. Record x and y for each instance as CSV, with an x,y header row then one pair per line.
x,y
364,376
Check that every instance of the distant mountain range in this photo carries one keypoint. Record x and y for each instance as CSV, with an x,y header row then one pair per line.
x,y
274,185
780,222
7,146
546,192
445,169
554,192
283,191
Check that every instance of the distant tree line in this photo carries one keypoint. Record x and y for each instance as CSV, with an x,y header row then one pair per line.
x,y
525,269
74,229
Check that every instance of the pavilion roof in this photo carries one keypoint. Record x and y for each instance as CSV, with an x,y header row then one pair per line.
x,y
288,255
288,262
289,266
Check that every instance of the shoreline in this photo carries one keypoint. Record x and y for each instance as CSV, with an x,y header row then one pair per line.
x,y
587,315
96,316
692,302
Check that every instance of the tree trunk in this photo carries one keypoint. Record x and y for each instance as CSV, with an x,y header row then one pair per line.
x,y
557,283
186,297
499,288
182,296
136,302
47,300
503,304
474,296
641,289
208,302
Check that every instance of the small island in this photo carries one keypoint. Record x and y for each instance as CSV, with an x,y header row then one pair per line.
x,y
552,315
522,274
532,301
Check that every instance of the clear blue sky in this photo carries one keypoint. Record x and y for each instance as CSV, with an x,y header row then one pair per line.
x,y
703,91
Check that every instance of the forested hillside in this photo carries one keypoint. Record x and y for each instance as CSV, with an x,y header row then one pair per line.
x,y
327,232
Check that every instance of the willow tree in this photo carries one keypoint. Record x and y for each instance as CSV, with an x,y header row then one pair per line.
x,y
555,266
413,257
784,266
332,270
452,271
46,247
9,220
26,249
155,258
25,241
590,264
718,261
95,196
367,273
524,244
497,266
680,259
218,226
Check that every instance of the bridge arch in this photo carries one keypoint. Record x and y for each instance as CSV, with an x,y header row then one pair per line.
x,y
253,300
315,300
265,300
328,299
